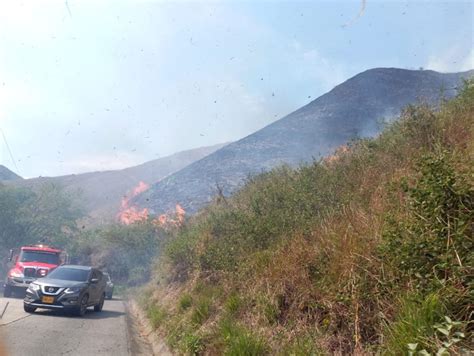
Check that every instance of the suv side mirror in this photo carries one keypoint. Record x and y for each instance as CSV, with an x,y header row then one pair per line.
x,y
10,257
94,280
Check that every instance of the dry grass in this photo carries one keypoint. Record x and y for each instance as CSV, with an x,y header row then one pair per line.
x,y
301,261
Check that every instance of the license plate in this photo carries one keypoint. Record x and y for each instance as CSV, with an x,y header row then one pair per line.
x,y
48,300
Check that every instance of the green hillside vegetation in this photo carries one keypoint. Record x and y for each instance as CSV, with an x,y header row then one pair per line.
x,y
51,215
126,252
368,251
29,217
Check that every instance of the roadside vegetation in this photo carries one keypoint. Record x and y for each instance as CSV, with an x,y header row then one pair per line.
x,y
54,217
29,217
127,252
370,250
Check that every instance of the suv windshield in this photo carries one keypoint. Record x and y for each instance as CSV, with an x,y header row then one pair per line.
x,y
36,256
70,274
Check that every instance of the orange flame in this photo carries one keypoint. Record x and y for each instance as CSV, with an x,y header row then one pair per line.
x,y
174,219
132,214
161,220
180,213
338,153
140,188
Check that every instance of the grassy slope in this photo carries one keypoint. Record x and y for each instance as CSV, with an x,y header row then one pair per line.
x,y
364,252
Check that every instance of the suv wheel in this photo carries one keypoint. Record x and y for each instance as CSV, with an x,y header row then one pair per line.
x,y
7,292
98,307
81,311
29,309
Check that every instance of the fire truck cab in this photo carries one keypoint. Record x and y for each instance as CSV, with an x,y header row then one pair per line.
x,y
31,263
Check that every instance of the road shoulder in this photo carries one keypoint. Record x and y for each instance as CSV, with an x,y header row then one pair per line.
x,y
12,309
142,337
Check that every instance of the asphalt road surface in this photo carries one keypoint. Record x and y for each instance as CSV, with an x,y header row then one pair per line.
x,y
52,333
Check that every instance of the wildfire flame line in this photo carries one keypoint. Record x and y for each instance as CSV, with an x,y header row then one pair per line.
x,y
175,219
130,214
337,155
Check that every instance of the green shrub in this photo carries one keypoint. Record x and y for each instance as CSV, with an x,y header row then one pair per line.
x,y
339,241
302,346
193,344
180,251
246,344
270,310
233,304
185,302
201,311
239,341
447,341
414,323
156,315
127,251
176,328
433,242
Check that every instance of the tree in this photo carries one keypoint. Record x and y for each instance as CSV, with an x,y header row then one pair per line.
x,y
29,216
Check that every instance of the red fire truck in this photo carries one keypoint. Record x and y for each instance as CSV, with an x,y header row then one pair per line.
x,y
31,263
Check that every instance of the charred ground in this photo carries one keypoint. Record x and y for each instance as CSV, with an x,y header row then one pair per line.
x,y
354,109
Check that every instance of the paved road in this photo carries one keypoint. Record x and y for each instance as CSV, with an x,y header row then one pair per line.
x,y
51,333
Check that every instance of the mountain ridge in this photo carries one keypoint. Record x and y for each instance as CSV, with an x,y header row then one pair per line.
x,y
101,192
8,175
351,109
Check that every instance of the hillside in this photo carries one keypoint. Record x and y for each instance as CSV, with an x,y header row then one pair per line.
x,y
101,192
370,251
8,175
353,109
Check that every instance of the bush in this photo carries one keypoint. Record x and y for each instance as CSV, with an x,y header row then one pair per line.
x,y
185,302
201,311
422,327
303,346
233,304
239,341
193,344
246,344
181,253
432,242
370,248
156,315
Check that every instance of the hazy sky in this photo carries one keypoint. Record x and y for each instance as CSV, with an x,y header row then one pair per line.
x,y
95,85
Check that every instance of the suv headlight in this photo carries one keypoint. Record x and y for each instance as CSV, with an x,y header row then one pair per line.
x,y
34,287
72,290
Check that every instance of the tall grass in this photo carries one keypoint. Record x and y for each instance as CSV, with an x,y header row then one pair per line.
x,y
367,249
414,323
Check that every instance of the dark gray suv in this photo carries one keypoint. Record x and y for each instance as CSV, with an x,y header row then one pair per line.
x,y
69,288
